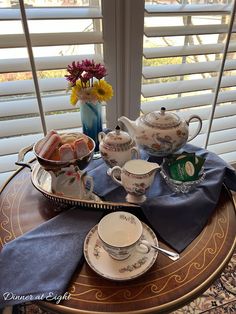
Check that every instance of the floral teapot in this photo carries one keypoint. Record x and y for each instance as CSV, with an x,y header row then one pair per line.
x,y
161,133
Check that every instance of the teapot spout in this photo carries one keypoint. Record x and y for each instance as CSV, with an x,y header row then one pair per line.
x,y
129,124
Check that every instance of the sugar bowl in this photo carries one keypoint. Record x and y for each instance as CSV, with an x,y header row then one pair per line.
x,y
117,147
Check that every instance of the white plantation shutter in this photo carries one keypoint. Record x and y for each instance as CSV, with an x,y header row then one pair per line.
x,y
186,45
188,65
56,36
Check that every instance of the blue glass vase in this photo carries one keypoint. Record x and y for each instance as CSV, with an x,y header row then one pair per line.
x,y
91,117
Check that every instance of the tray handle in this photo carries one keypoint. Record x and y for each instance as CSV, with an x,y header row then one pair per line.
x,y
21,156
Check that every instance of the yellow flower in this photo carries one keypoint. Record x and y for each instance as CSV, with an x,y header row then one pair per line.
x,y
102,90
74,95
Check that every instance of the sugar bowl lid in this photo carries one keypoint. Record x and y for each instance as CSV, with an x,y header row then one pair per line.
x,y
161,119
117,137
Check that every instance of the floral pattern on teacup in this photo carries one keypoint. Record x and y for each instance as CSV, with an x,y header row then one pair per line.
x,y
137,188
97,249
129,219
132,267
140,188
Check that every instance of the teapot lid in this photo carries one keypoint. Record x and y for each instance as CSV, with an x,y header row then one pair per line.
x,y
161,119
117,137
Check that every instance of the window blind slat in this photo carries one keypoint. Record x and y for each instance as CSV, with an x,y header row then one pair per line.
x,y
187,9
62,121
219,124
20,126
186,30
225,110
51,39
223,148
186,68
43,63
230,123
191,50
152,90
33,125
27,86
27,106
52,13
224,124
187,101
217,137
221,136
12,145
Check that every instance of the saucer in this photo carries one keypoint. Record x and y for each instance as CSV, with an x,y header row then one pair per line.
x,y
132,267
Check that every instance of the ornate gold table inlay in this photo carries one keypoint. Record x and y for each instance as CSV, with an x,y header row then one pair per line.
x,y
165,287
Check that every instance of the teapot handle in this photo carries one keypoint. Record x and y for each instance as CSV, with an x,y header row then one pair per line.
x,y
114,170
199,126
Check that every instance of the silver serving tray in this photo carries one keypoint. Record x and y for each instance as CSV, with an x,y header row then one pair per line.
x,y
41,180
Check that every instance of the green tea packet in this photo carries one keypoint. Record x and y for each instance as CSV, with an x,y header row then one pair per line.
x,y
185,167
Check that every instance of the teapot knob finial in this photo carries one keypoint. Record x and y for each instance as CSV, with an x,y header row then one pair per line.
x,y
117,130
163,109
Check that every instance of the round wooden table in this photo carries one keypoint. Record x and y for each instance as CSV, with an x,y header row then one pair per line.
x,y
166,286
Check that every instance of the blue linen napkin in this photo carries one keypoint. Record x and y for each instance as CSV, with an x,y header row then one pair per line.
x,y
176,218
39,264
